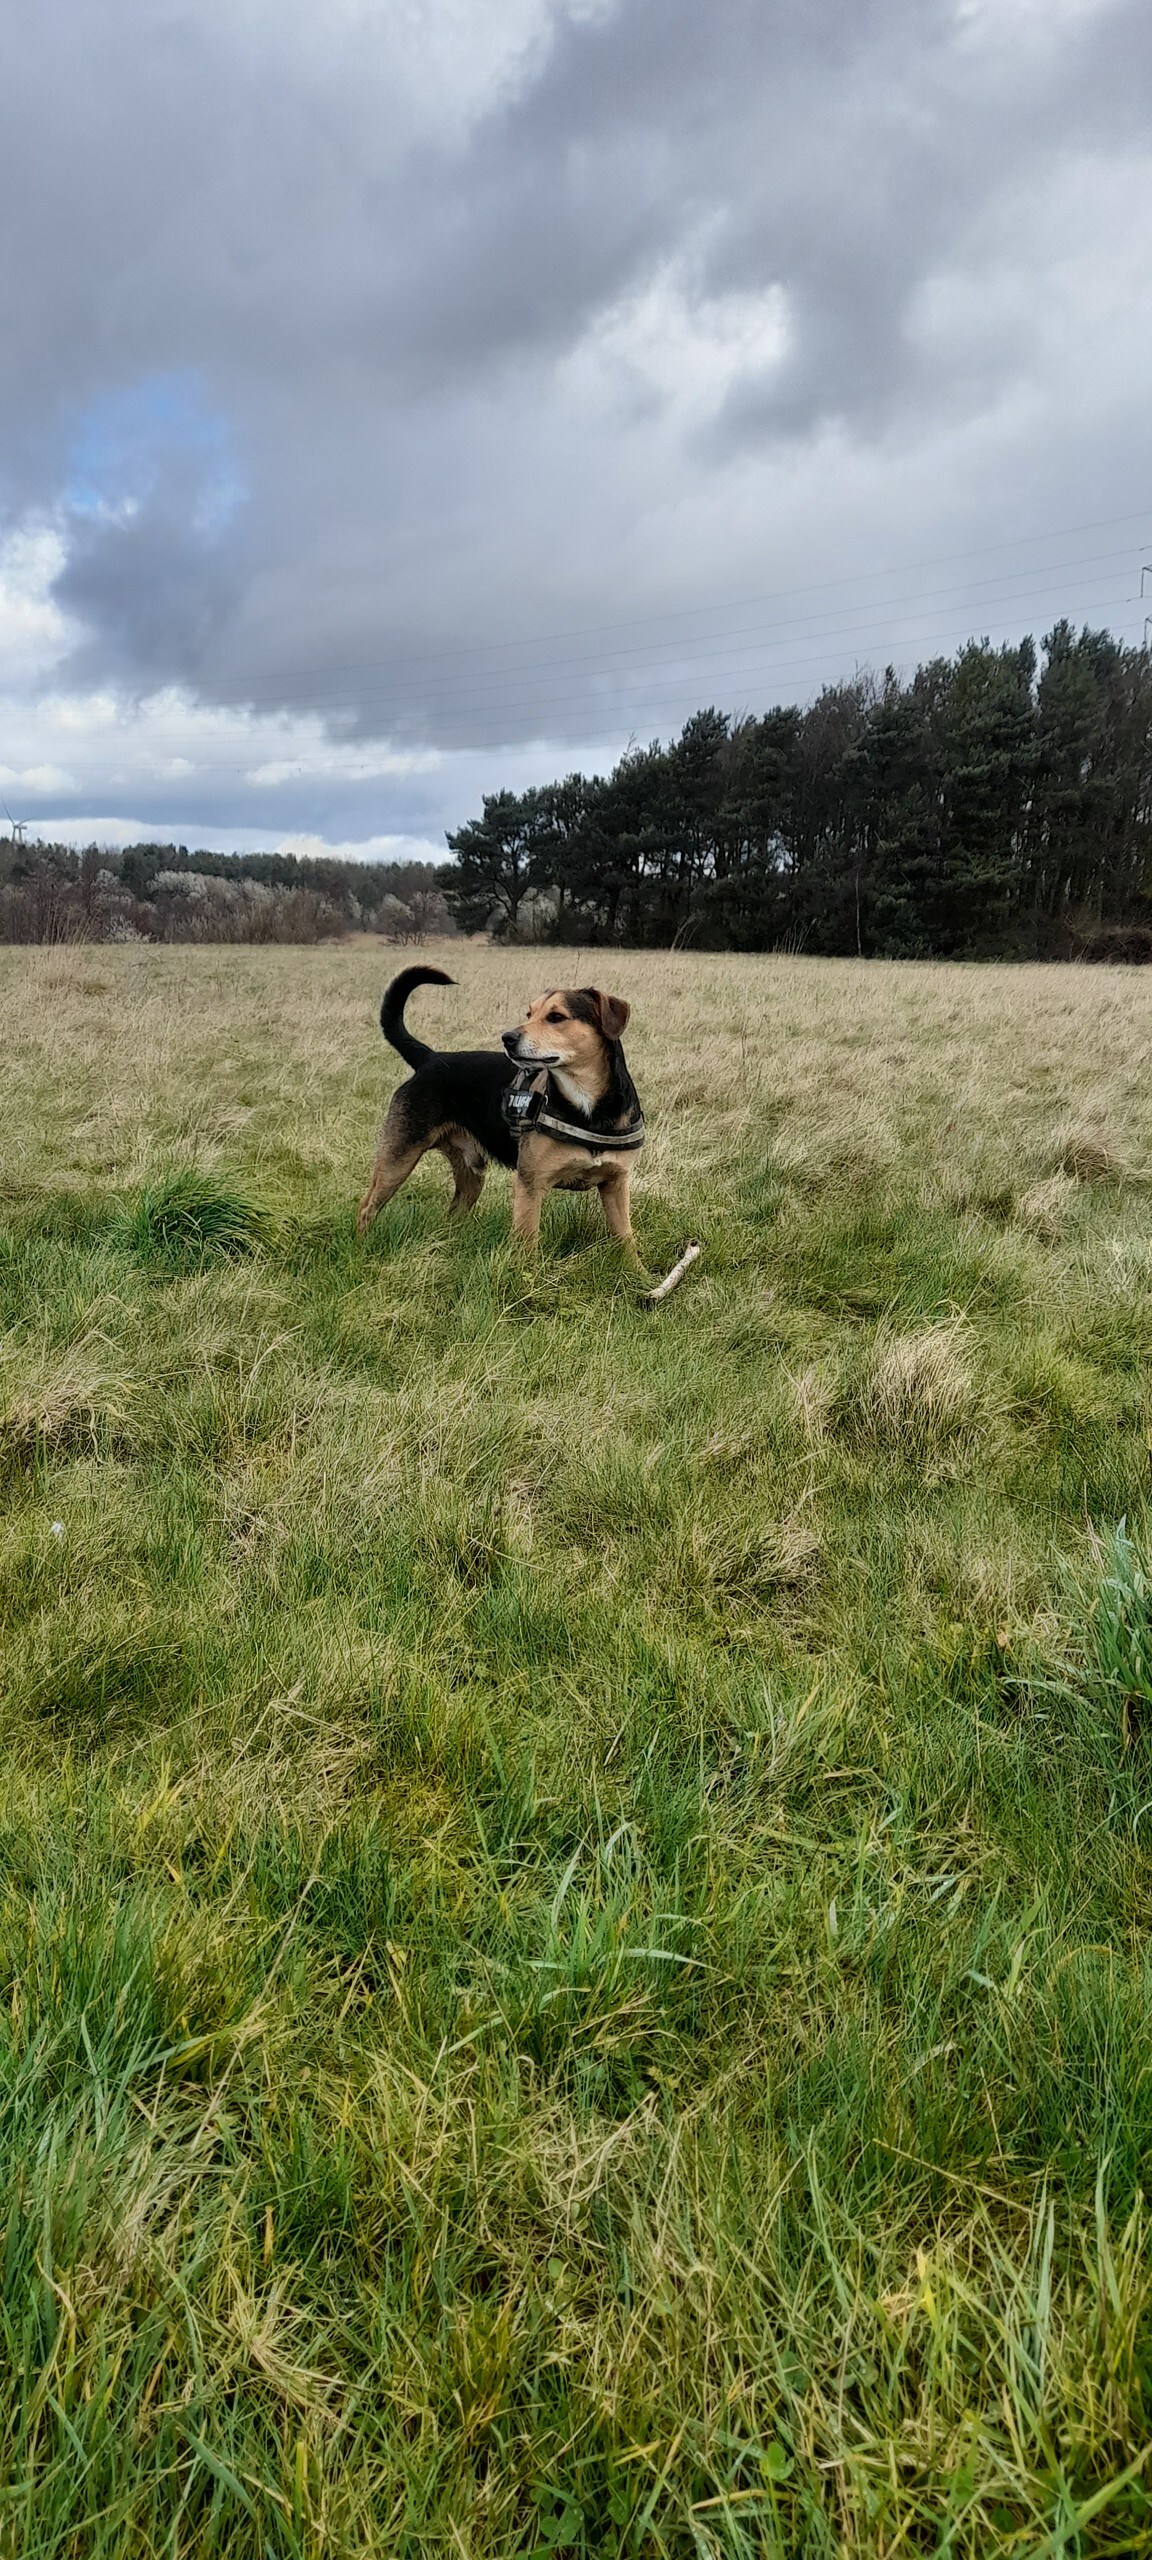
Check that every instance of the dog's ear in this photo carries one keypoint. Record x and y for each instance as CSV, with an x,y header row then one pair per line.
x,y
611,1012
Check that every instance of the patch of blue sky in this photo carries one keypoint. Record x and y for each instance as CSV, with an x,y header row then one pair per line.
x,y
156,429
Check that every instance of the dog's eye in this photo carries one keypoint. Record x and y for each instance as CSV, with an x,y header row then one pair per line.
x,y
555,1017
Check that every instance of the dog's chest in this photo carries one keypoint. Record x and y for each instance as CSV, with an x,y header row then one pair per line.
x,y
563,1168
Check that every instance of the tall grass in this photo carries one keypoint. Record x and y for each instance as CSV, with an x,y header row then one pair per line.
x,y
574,1884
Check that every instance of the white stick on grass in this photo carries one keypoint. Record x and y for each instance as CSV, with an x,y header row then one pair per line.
x,y
676,1274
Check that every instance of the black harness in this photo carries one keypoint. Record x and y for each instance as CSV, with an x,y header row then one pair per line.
x,y
530,1102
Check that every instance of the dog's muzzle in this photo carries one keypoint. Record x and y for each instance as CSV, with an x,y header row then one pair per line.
x,y
524,1057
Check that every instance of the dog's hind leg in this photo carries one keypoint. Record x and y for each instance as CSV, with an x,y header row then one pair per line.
x,y
388,1173
469,1166
396,1157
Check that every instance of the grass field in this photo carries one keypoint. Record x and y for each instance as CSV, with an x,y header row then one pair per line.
x,y
575,1883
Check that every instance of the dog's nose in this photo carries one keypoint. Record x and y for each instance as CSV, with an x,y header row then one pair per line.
x,y
511,1040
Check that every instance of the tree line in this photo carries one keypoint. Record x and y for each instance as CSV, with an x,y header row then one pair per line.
x,y
163,893
998,802
995,802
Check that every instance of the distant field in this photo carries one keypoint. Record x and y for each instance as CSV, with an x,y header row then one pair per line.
x,y
575,1883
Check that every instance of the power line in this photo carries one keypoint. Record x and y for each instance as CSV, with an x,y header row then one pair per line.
x,y
674,681
690,649
499,688
683,693
635,622
763,639
676,668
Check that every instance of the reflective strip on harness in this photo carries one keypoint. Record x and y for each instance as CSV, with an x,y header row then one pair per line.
x,y
610,1142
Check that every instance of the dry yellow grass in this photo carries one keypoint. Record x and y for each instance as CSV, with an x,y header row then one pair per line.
x,y
984,1079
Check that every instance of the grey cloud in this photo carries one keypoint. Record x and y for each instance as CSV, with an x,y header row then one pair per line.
x,y
382,306
151,595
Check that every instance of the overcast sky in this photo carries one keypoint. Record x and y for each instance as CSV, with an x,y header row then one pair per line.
x,y
403,398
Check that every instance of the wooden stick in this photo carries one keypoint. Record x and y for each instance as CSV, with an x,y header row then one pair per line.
x,y
665,1288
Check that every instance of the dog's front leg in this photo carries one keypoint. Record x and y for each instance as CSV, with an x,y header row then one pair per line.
x,y
614,1201
527,1198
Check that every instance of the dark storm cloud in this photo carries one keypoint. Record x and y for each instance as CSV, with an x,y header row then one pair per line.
x,y
381,269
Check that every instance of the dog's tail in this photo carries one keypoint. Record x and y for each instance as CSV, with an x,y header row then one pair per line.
x,y
392,1022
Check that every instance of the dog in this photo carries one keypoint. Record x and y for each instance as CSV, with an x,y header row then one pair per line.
x,y
556,1105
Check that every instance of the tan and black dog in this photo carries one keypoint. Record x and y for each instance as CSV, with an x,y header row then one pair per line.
x,y
558,1106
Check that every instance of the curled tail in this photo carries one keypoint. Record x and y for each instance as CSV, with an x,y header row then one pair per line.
x,y
392,1023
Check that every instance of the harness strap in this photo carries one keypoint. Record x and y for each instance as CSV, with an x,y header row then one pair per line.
x,y
523,1105
601,1141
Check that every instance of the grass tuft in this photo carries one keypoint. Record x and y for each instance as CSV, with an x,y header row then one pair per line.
x,y
1116,1648
922,1391
1089,1155
1047,1207
186,1218
58,1403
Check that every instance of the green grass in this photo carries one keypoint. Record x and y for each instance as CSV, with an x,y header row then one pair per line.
x,y
187,1219
574,1883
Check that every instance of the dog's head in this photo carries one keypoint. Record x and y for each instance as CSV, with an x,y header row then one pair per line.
x,y
572,1030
